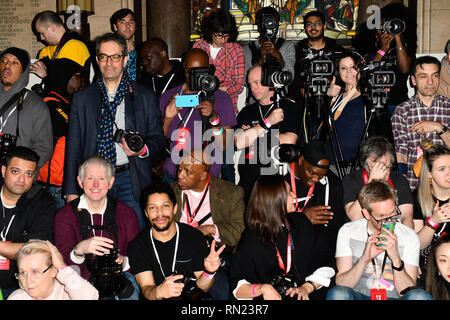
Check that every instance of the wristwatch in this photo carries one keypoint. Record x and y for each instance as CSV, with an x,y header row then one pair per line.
x,y
402,265
444,130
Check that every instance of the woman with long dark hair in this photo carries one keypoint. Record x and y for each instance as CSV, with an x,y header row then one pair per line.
x,y
347,106
437,281
279,254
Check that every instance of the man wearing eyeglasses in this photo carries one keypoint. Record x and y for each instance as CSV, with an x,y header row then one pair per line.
x,y
316,42
375,263
98,113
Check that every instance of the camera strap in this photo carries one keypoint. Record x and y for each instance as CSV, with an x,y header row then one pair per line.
x,y
294,190
18,97
174,253
365,176
339,106
190,216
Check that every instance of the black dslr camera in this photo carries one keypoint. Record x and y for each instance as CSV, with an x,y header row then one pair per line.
x,y
108,277
282,283
203,79
7,143
134,140
288,153
190,290
394,26
273,75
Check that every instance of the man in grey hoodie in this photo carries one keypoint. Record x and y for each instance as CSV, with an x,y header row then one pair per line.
x,y
23,114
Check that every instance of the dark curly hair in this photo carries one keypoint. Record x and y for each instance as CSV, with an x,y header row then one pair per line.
x,y
219,21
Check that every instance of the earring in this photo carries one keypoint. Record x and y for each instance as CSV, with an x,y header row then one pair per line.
x,y
430,181
439,273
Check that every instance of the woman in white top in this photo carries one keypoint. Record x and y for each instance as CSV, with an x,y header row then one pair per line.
x,y
43,275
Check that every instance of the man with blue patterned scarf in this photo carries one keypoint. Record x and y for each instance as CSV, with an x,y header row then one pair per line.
x,y
98,113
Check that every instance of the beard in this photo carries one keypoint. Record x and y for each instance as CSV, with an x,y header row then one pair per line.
x,y
163,227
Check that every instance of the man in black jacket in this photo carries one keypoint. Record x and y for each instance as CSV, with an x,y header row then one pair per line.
x,y
27,212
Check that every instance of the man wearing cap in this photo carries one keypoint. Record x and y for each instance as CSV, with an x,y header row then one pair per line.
x,y
317,191
23,115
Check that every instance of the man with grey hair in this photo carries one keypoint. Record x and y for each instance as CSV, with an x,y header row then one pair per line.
x,y
117,119
94,224
376,158
377,258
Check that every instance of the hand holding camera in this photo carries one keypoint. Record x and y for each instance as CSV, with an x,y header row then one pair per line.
x,y
276,116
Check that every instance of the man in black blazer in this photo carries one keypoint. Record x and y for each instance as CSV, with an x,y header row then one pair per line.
x,y
112,103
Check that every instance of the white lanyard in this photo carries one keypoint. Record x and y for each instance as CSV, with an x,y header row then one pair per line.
x,y
167,83
6,230
174,254
260,111
3,123
418,115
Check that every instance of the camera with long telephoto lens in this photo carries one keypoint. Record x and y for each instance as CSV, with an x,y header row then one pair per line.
x,y
282,284
108,277
203,79
134,140
7,143
190,290
273,75
394,26
268,25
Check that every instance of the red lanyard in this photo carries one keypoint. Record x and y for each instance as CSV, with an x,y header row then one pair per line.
x,y
365,176
191,216
288,258
294,190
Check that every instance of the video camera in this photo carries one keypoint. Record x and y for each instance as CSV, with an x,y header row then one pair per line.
x,y
203,79
394,26
317,67
376,78
190,290
268,25
108,277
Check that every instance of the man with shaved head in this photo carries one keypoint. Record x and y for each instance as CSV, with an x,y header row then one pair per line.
x,y
192,128
160,73
213,206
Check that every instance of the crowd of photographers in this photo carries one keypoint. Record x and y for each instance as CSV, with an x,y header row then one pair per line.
x,y
158,184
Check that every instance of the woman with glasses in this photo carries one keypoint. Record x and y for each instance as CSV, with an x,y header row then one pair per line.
x,y
279,247
432,207
43,275
219,41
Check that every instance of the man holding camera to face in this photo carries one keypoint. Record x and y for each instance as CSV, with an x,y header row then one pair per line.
x,y
117,119
196,114
269,45
377,258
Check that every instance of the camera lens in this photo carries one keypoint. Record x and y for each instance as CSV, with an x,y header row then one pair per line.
x,y
209,83
394,26
281,78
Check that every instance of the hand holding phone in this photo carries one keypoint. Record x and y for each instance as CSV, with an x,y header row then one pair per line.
x,y
186,101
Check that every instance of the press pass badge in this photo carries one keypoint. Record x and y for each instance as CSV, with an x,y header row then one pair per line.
x,y
378,294
182,138
4,262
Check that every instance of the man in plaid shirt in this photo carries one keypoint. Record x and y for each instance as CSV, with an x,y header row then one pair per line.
x,y
425,115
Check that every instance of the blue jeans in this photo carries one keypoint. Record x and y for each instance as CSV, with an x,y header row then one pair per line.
x,y
136,292
122,190
347,293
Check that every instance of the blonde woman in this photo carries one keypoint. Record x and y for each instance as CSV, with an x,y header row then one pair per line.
x,y
432,207
43,275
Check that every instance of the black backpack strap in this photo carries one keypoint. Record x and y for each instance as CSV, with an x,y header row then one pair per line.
x,y
18,97
279,43
84,219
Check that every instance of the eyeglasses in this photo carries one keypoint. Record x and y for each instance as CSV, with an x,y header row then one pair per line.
x,y
310,24
114,58
221,35
37,274
395,217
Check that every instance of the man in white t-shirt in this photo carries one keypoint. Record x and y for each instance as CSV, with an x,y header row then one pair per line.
x,y
374,262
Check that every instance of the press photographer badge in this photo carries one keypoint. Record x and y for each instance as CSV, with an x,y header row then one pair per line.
x,y
182,138
4,262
